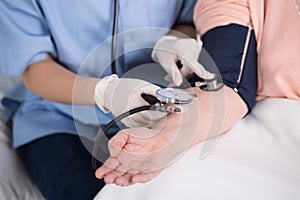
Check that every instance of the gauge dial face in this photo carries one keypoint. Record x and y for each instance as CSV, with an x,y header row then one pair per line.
x,y
175,96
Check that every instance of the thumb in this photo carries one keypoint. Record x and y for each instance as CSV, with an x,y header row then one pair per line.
x,y
173,72
198,69
186,71
150,89
117,143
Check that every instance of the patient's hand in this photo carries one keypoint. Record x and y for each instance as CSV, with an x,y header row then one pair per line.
x,y
135,158
139,154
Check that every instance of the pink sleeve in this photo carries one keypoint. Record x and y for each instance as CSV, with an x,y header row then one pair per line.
x,y
212,13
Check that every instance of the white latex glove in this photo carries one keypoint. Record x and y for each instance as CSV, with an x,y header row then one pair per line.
x,y
118,95
168,50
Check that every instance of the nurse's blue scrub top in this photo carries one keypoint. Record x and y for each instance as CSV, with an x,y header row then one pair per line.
x,y
69,30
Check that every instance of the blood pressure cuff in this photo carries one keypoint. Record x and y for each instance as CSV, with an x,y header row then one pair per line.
x,y
233,49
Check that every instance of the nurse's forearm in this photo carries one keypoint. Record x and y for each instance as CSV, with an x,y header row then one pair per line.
x,y
53,82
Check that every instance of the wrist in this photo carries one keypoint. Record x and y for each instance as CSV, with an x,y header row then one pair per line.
x,y
173,129
83,90
100,89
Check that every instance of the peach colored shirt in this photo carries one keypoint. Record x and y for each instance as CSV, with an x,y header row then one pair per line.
x,y
277,28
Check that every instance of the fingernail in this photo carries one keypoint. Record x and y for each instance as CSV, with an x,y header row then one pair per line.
x,y
98,175
112,149
109,181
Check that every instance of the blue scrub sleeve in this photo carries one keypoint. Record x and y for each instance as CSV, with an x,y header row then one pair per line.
x,y
24,36
233,49
186,12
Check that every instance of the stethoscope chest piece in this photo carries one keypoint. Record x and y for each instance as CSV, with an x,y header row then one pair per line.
x,y
174,99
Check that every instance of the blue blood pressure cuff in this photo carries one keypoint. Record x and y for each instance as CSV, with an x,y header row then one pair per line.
x,y
233,50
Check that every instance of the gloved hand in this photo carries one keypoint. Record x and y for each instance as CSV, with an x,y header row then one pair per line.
x,y
118,95
168,50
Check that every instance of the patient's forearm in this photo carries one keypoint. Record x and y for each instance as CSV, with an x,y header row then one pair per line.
x,y
51,81
213,114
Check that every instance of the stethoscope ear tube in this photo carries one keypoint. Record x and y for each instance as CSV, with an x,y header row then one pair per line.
x,y
114,37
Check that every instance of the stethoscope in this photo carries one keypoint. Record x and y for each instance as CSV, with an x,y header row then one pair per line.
x,y
168,100
114,37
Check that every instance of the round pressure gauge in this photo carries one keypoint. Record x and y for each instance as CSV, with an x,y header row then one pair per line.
x,y
175,96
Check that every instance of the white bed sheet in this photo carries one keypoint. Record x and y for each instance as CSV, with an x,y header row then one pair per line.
x,y
257,159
